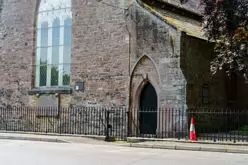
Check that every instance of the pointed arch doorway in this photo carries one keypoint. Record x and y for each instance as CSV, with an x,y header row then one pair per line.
x,y
148,110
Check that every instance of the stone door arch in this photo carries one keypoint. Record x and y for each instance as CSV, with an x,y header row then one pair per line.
x,y
145,79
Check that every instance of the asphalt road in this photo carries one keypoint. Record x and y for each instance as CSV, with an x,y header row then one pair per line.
x,y
13,152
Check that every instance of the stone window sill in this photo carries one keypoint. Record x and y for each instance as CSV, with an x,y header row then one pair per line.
x,y
50,90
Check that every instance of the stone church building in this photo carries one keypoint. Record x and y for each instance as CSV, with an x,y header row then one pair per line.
x,y
133,54
109,53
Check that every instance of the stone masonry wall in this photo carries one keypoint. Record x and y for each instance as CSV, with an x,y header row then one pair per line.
x,y
17,50
195,63
99,53
242,95
156,58
161,43
100,58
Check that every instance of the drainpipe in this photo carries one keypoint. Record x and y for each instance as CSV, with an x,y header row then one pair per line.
x,y
129,72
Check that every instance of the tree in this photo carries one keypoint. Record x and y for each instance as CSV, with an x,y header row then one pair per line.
x,y
54,75
226,24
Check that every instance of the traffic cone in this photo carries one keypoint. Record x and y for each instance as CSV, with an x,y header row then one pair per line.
x,y
192,130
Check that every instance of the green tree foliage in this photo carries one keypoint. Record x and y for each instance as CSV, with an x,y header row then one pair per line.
x,y
43,73
226,23
54,75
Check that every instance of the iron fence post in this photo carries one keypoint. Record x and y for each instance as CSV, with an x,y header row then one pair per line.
x,y
128,123
107,138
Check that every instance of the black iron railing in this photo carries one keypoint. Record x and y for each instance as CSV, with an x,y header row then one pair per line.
x,y
83,120
120,123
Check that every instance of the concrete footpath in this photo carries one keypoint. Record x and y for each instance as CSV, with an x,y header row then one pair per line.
x,y
131,142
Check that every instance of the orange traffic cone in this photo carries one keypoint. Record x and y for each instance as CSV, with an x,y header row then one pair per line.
x,y
192,130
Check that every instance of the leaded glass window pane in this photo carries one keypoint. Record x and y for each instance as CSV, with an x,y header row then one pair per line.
x,y
67,50
55,53
54,38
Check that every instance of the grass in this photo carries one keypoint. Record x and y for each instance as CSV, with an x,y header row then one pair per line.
x,y
241,131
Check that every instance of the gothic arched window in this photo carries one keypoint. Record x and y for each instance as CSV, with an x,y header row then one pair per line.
x,y
53,46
